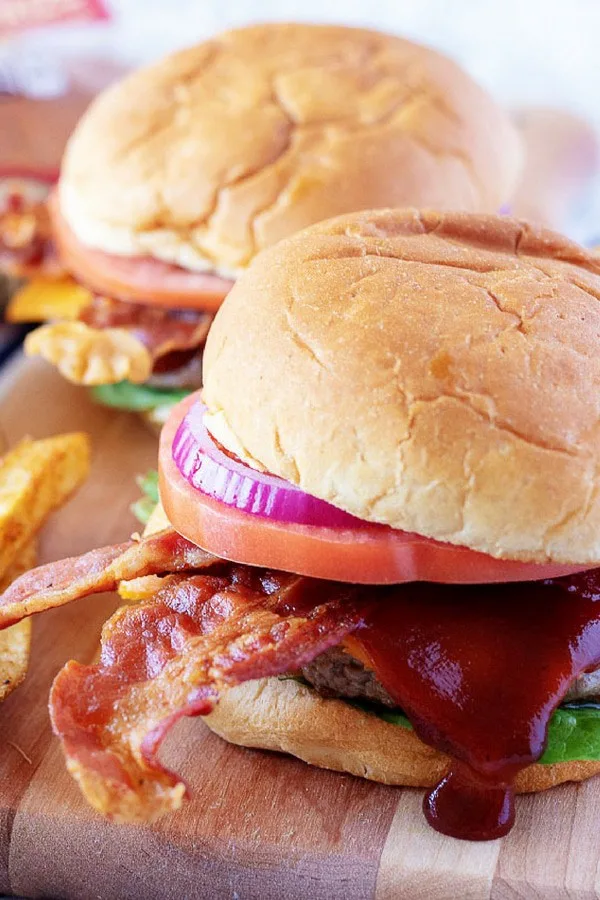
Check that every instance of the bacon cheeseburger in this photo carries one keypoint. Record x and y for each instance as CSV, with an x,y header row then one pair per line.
x,y
177,176
397,448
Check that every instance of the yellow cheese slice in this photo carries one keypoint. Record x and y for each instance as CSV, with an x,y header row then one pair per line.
x,y
145,587
43,299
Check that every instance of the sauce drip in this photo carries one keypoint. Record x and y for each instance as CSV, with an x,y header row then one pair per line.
x,y
479,670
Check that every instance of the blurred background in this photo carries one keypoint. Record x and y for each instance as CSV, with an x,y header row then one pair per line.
x,y
538,57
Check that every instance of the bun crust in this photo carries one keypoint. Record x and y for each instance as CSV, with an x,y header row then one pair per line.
x,y
222,149
287,716
439,373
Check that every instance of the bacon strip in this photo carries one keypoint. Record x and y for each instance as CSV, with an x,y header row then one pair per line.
x,y
171,657
160,330
111,340
100,570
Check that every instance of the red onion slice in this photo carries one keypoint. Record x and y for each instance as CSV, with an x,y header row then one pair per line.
x,y
204,465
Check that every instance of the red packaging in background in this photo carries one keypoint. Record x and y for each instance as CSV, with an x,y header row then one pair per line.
x,y
43,94
19,15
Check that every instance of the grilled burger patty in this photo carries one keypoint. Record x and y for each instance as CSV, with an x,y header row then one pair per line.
x,y
336,673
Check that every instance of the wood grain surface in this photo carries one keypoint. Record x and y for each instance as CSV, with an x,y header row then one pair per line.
x,y
259,826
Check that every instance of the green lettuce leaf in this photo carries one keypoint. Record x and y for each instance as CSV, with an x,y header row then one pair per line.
x,y
148,484
136,397
573,733
394,716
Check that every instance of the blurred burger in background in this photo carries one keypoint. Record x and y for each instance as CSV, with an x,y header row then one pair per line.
x,y
26,245
43,93
178,175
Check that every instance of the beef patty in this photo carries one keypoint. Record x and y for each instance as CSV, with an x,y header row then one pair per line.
x,y
336,673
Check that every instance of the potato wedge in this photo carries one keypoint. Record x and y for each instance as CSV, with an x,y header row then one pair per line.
x,y
36,477
15,642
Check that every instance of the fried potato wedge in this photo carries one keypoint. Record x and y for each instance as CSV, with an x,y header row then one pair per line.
x,y
36,477
15,642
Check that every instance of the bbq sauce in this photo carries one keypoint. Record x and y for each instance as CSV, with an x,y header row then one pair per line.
x,y
479,670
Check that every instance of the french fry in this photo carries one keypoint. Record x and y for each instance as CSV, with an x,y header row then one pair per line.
x,y
15,642
36,477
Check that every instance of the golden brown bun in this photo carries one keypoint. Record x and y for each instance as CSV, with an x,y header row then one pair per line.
x,y
287,716
439,373
223,149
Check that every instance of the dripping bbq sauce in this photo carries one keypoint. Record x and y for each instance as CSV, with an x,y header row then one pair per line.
x,y
479,670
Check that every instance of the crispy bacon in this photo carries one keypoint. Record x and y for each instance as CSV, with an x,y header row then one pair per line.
x,y
161,330
170,657
100,570
210,625
26,245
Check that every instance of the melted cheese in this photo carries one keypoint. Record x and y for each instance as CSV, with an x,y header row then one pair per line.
x,y
43,299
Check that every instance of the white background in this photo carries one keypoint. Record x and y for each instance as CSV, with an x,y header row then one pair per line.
x,y
525,51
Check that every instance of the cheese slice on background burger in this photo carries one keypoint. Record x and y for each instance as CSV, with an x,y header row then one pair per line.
x,y
388,494
177,176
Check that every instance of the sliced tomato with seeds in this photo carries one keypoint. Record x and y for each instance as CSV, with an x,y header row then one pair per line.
x,y
364,554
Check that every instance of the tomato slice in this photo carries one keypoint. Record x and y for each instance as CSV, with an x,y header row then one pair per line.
x,y
136,278
367,554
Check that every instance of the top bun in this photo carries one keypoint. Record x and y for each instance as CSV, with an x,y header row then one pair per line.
x,y
221,150
439,373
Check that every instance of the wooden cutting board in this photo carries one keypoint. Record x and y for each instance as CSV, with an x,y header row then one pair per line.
x,y
259,826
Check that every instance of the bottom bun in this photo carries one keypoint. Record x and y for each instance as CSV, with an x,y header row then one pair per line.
x,y
286,716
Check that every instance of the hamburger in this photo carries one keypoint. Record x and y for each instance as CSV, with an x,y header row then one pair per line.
x,y
379,535
177,176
